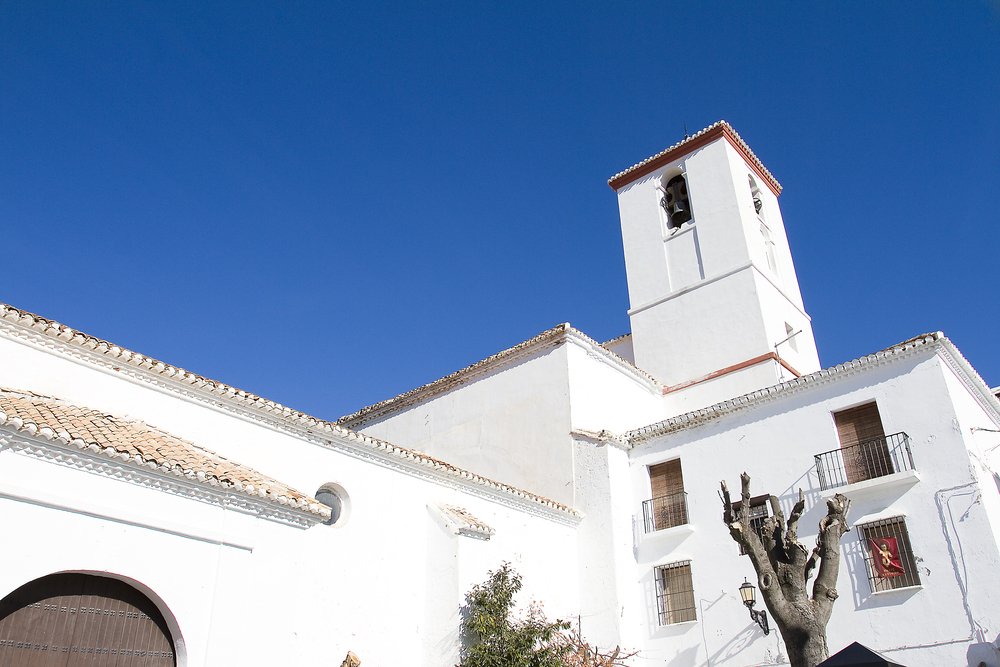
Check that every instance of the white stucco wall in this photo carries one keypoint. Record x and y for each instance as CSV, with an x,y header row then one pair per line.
x,y
510,423
603,396
701,331
703,297
775,442
387,584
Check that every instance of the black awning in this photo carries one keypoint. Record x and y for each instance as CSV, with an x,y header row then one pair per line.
x,y
857,655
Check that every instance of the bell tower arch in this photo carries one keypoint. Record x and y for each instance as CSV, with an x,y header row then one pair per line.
x,y
715,306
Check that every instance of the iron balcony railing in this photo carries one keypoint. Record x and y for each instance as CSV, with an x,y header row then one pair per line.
x,y
665,511
869,459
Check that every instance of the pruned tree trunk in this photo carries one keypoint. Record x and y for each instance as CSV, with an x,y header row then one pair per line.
x,y
784,565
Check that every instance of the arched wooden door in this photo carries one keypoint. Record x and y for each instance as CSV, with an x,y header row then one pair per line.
x,y
72,620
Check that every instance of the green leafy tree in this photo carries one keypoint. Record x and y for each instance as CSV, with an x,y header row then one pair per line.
x,y
495,638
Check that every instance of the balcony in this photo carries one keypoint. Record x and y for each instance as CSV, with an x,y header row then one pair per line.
x,y
871,459
665,512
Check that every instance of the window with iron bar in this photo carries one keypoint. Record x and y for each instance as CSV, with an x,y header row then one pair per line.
x,y
675,593
758,514
881,577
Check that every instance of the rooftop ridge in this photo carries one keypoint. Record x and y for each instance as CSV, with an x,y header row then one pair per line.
x,y
616,339
550,336
700,138
740,403
113,356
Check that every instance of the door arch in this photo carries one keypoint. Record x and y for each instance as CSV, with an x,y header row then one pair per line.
x,y
77,620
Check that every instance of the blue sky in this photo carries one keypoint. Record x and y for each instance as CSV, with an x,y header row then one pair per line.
x,y
329,203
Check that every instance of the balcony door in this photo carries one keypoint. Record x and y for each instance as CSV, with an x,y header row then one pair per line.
x,y
862,443
667,486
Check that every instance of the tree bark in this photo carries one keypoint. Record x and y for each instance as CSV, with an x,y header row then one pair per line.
x,y
784,565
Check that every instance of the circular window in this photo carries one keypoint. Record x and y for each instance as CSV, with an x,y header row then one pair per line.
x,y
335,497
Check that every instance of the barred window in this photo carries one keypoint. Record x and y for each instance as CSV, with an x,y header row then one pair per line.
x,y
675,593
888,555
758,514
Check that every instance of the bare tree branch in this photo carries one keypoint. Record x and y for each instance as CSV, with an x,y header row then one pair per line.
x,y
792,534
779,558
831,528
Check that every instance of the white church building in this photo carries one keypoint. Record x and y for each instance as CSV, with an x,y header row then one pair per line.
x,y
154,516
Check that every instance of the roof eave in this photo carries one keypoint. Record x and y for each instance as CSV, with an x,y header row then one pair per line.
x,y
713,132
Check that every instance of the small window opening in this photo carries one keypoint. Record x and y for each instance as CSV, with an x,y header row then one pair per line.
x,y
675,201
758,201
759,511
765,235
335,497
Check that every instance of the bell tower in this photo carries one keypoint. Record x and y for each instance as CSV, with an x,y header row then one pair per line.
x,y
715,306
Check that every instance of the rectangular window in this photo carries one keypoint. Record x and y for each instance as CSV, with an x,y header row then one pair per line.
x,y
759,511
886,546
668,506
675,593
863,445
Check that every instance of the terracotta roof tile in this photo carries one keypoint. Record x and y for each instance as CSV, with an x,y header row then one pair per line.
x,y
681,148
142,445
57,334
464,523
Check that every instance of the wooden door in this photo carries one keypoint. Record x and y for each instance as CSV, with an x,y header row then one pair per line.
x,y
667,486
78,620
862,443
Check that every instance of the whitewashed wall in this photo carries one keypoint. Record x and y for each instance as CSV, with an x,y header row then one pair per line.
x,y
510,423
237,589
775,442
703,297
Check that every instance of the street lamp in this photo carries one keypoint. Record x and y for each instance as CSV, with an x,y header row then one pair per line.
x,y
749,594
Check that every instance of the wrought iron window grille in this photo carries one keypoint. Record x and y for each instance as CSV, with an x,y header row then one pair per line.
x,y
894,527
675,593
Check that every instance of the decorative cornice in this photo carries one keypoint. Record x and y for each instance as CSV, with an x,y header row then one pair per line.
x,y
689,145
97,461
924,342
970,378
549,338
61,340
602,437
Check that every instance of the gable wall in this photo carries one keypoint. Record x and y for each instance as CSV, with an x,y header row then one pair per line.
x,y
511,423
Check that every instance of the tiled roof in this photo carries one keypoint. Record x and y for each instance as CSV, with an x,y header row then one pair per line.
x,y
140,444
740,403
616,339
60,336
555,335
464,523
681,148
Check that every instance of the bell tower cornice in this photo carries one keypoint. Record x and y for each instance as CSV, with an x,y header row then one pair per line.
x,y
691,144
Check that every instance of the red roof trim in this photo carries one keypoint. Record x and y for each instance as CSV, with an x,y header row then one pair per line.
x,y
687,147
